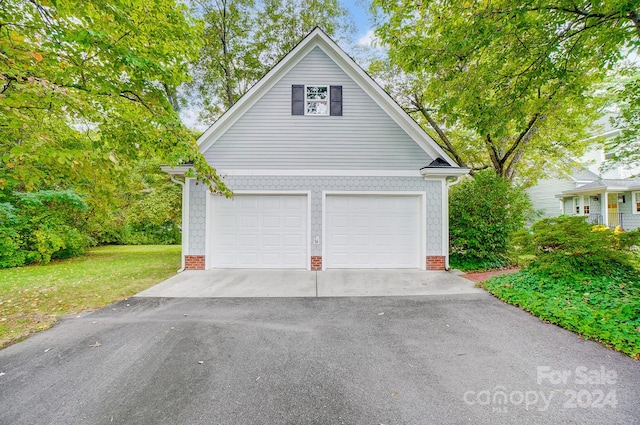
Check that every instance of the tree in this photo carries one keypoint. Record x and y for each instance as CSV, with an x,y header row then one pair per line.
x,y
626,97
512,79
88,87
243,39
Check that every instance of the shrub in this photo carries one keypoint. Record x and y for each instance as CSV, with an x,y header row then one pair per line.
x,y
566,246
484,212
39,226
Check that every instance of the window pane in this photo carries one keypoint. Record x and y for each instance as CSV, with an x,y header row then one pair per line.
x,y
317,108
317,92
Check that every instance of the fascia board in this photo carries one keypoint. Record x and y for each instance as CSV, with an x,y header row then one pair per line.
x,y
176,171
444,172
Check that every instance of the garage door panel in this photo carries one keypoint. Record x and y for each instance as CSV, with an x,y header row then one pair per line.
x,y
293,221
372,231
292,241
259,231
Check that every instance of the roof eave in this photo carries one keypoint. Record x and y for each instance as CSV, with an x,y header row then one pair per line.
x,y
178,171
444,171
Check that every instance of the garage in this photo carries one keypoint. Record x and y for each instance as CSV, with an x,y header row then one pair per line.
x,y
372,231
259,231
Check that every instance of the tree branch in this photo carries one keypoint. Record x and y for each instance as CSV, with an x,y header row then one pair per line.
x,y
527,132
448,146
493,154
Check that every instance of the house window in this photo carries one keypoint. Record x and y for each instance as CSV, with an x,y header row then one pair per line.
x,y
636,202
316,100
587,204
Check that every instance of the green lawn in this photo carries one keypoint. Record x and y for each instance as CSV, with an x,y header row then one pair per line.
x,y
605,309
33,298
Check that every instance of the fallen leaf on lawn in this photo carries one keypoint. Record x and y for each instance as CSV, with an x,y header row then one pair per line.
x,y
97,344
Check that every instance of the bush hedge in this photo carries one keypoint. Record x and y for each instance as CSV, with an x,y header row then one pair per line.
x,y
484,211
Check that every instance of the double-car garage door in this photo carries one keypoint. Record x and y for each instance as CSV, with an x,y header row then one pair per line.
x,y
272,231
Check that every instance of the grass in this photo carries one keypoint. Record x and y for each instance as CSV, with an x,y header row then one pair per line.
x,y
605,309
32,298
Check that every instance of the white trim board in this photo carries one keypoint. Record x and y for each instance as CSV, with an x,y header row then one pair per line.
x,y
321,173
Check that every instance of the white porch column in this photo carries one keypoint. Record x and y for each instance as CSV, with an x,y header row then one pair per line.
x,y
605,202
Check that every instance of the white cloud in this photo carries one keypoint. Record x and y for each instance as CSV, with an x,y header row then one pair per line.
x,y
368,40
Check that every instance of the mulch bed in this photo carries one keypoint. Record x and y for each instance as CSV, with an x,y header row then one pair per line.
x,y
482,276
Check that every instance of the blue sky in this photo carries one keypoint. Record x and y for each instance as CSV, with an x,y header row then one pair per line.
x,y
360,14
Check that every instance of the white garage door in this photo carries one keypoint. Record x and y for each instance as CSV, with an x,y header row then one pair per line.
x,y
372,231
259,231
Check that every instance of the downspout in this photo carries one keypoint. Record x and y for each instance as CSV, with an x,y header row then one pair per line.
x,y
182,263
449,182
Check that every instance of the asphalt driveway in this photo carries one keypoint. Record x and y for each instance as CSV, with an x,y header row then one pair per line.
x,y
368,360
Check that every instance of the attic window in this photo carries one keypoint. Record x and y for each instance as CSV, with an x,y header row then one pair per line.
x,y
317,100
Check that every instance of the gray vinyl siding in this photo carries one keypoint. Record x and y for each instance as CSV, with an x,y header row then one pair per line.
x,y
543,196
568,206
316,185
268,136
630,221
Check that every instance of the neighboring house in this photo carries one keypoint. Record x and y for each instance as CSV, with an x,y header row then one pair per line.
x,y
582,193
544,195
327,171
612,202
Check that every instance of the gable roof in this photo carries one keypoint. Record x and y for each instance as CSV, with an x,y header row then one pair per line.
x,y
610,185
318,38
583,175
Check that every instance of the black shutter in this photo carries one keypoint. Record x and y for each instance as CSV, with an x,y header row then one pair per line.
x,y
297,99
336,101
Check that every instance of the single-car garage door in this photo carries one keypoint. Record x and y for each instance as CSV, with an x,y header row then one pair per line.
x,y
259,231
372,231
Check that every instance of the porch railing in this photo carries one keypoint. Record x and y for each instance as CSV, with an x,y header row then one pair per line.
x,y
615,219
595,218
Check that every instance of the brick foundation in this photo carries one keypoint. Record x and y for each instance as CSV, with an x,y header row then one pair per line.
x,y
435,262
316,263
194,262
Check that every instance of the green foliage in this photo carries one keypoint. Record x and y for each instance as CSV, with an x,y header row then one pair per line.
x,y
626,98
569,246
88,91
606,309
39,226
514,80
483,212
